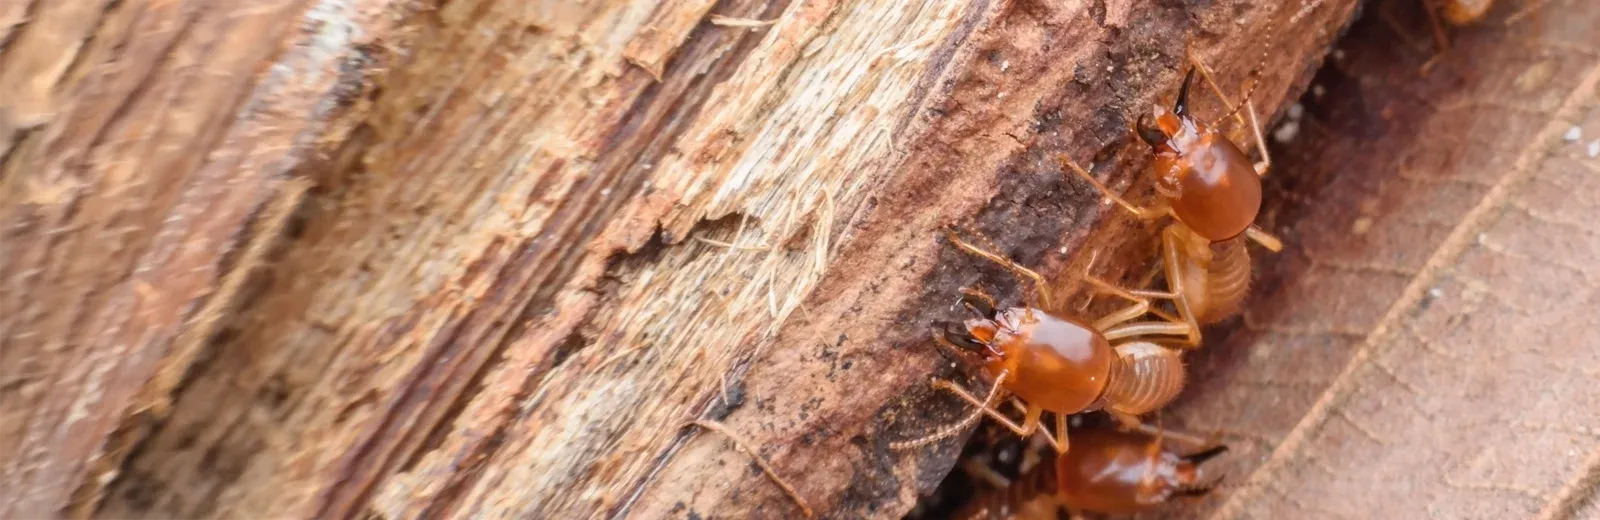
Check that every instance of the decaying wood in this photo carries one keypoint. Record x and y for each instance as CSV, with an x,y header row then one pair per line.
x,y
143,146
484,258
1423,343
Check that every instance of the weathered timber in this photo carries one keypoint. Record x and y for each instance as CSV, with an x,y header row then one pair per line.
x,y
487,258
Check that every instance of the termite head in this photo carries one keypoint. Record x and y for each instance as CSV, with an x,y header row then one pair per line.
x,y
984,331
975,336
1159,126
1058,363
995,334
1187,474
1124,472
1207,181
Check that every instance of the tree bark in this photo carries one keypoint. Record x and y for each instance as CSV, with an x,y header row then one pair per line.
x,y
486,258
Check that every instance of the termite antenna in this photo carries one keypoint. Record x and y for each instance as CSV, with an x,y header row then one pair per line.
x,y
739,442
950,430
1255,81
1195,491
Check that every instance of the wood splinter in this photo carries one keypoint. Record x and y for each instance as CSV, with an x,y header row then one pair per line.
x,y
738,442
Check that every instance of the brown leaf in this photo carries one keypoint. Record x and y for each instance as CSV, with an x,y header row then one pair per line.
x,y
1423,347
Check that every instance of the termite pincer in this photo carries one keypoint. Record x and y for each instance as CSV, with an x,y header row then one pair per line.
x,y
1059,363
1108,471
1213,191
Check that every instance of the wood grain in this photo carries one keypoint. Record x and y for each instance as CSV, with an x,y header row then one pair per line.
x,y
143,148
485,258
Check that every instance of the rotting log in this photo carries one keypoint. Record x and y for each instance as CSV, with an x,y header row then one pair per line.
x,y
487,258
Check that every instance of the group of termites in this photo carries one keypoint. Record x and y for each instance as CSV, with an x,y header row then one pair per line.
x,y
1040,358
1050,360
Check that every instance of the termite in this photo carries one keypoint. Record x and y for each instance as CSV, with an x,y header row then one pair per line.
x,y
1057,362
1213,191
1464,12
1455,12
1461,13
1108,471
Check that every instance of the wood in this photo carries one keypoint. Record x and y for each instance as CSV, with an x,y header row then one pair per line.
x,y
487,258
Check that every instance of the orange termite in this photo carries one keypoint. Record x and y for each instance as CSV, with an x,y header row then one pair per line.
x,y
1108,471
1460,13
1213,191
1464,12
1059,363
1455,12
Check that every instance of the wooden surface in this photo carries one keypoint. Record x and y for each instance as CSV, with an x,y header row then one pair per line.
x,y
1419,350
485,259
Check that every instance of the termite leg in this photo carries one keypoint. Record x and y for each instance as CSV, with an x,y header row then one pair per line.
x,y
1171,251
1030,275
1139,307
985,407
1163,315
983,241
1185,438
1150,276
1439,36
1152,454
1061,430
1211,82
1136,295
1029,426
1261,144
981,471
1156,268
1034,414
1033,452
1143,213
1148,328
1127,420
1115,325
1386,14
1264,238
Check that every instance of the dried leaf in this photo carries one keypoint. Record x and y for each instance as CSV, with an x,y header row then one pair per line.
x,y
1423,349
